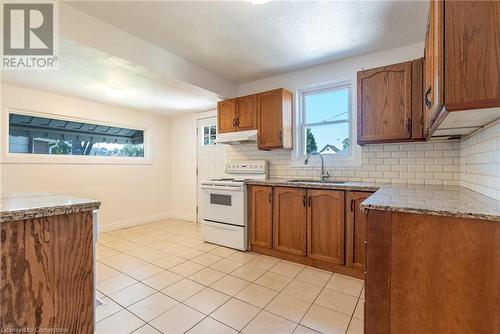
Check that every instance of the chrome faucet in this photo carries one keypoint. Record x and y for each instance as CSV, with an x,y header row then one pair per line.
x,y
323,174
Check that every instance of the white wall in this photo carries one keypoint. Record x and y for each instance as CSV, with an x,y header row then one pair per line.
x,y
129,193
183,166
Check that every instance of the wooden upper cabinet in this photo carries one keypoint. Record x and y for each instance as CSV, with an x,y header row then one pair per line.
x,y
290,220
471,54
261,216
325,225
274,120
246,112
433,87
384,103
356,230
226,116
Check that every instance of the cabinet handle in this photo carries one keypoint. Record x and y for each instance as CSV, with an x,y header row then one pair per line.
x,y
352,205
426,100
310,201
281,136
237,121
305,201
408,125
270,197
234,122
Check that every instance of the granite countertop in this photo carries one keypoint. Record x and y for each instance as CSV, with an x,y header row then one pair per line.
x,y
353,186
20,206
453,201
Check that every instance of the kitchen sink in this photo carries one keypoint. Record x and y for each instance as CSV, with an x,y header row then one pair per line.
x,y
316,181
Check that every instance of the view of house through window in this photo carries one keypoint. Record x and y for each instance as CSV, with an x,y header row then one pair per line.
x,y
326,119
40,135
209,134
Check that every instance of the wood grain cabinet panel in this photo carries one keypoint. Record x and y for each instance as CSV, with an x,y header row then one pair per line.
x,y
226,116
325,225
472,54
384,103
246,118
356,230
261,216
274,119
290,220
433,90
432,274
47,273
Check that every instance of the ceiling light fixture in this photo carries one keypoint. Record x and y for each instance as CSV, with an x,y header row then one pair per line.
x,y
258,2
115,92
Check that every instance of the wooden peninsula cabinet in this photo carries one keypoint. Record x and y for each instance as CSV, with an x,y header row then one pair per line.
x,y
431,274
308,226
47,271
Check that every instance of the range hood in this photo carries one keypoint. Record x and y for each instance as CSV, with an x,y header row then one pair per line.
x,y
237,137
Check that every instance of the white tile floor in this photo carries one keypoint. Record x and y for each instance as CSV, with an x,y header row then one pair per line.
x,y
161,278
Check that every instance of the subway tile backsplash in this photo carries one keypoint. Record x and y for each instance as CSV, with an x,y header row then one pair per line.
x,y
473,162
480,161
408,163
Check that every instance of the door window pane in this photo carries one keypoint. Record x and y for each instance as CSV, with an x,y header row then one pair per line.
x,y
209,134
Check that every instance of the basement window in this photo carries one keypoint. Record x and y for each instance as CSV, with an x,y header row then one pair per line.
x,y
37,135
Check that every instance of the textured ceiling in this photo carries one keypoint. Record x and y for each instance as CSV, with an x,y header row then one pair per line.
x,y
88,73
243,42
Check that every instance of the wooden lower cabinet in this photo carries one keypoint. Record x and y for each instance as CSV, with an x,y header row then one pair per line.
x,y
306,226
431,274
289,220
356,230
325,225
260,200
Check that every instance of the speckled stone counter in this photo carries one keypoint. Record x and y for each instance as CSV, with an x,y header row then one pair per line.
x,y
20,206
352,186
453,201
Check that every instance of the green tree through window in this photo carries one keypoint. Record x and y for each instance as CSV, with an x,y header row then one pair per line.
x,y
311,145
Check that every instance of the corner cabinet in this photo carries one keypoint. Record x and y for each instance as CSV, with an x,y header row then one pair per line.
x,y
461,66
260,204
274,119
356,230
389,103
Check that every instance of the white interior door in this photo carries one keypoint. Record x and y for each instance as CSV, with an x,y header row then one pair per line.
x,y
211,157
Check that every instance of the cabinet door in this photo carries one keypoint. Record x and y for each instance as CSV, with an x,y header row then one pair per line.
x,y
270,127
356,230
226,116
472,54
384,103
433,64
325,225
261,216
246,118
290,220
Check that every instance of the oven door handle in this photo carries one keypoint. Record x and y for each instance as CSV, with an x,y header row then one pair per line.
x,y
221,188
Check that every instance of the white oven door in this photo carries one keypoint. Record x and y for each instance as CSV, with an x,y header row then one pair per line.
x,y
223,205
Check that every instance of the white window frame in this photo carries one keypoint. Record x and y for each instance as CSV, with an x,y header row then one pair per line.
x,y
353,158
30,158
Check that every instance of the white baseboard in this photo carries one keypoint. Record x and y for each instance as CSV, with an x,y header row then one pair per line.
x,y
146,220
183,216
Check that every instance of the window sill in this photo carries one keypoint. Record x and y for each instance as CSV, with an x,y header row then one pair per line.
x,y
19,158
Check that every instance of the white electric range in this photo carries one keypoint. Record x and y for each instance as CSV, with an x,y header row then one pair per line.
x,y
223,204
